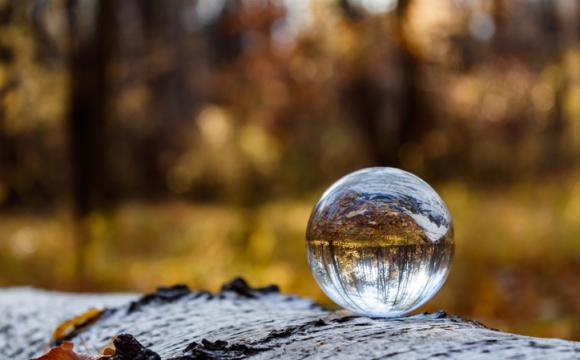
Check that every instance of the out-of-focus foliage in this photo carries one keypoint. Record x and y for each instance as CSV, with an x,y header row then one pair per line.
x,y
224,120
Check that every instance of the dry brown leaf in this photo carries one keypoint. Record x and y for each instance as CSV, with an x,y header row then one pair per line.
x,y
66,352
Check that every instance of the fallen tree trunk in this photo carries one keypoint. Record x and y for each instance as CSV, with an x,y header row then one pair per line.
x,y
241,322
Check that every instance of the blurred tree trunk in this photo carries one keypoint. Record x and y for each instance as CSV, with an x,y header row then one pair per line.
x,y
368,102
8,155
555,132
90,53
499,21
390,121
413,119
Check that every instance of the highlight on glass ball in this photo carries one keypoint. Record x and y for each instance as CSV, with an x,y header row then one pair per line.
x,y
380,242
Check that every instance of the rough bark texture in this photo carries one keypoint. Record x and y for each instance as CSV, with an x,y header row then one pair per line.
x,y
241,322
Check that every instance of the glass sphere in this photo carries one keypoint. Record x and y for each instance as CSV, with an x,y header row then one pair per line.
x,y
380,242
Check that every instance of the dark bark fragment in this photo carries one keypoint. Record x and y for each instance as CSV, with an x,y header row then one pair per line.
x,y
161,295
241,287
128,348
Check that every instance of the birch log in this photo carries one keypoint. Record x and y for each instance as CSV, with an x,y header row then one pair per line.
x,y
241,322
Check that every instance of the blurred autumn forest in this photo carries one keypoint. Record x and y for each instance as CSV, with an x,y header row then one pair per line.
x,y
147,142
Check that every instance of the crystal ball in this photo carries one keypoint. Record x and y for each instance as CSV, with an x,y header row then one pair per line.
x,y
380,242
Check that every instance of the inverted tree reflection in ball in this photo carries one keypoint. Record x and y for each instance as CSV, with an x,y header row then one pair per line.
x,y
380,242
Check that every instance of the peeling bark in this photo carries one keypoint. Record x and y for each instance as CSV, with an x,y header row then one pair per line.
x,y
240,322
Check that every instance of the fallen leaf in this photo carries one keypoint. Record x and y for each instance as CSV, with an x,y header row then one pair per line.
x,y
124,346
66,352
83,320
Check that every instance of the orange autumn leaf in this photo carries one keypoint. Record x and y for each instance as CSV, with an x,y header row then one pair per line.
x,y
77,322
66,352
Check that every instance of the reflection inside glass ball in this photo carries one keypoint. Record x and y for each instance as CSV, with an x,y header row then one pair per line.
x,y
380,242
